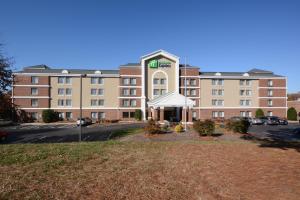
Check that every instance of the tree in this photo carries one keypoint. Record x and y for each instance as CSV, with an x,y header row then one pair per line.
x,y
138,114
259,113
292,114
50,116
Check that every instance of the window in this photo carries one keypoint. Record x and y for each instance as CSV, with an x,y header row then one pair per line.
x,y
133,103
242,82
163,91
221,82
126,92
133,81
216,114
93,91
155,81
101,115
242,92
270,113
60,102
94,80
131,114
61,91
94,115
126,81
245,102
214,82
94,102
214,92
61,80
193,82
221,114
61,115
248,82
101,91
216,102
193,92
101,102
68,91
246,114
100,81
248,102
125,102
248,92
220,102
69,115
187,92
34,115
217,81
132,92
156,92
68,80
34,91
270,83
125,114
220,92
34,80
270,102
270,93
194,115
68,102
163,81
34,102
187,81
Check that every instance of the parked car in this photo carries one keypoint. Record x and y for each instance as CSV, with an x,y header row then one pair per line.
x,y
271,120
283,121
84,121
256,121
297,131
5,122
3,135
237,118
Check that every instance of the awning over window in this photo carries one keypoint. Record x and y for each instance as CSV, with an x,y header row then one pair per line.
x,y
171,99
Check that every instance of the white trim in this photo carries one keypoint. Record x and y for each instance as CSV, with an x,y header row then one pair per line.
x,y
103,75
129,97
190,76
193,87
272,97
271,87
244,107
239,77
60,74
30,85
86,108
129,86
128,75
31,97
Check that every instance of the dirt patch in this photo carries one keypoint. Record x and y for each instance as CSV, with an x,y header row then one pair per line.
x,y
158,170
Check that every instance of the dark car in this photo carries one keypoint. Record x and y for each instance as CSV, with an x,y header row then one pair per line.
x,y
283,121
3,135
270,120
257,121
249,119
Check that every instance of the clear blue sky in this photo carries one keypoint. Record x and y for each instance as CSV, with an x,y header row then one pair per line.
x,y
215,35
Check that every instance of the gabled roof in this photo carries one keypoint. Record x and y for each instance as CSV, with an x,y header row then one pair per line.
x,y
171,99
255,70
160,52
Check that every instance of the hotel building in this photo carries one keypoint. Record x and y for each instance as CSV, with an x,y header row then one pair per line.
x,y
155,85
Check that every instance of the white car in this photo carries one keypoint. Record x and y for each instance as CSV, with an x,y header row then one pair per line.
x,y
84,121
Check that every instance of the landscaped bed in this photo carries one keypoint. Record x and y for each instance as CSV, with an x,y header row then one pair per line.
x,y
152,170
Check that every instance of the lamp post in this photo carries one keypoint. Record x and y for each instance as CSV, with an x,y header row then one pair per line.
x,y
185,100
80,125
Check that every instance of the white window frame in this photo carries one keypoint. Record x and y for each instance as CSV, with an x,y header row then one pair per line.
x,y
36,93
70,101
34,80
36,104
62,101
100,93
68,89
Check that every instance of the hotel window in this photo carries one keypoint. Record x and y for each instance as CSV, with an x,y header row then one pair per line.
x,y
220,92
132,92
69,115
270,93
270,102
156,92
193,82
126,102
34,91
126,81
245,113
101,92
270,83
216,102
193,92
61,91
61,80
133,103
61,115
248,82
126,92
214,92
101,115
94,102
242,92
60,102
220,102
270,113
187,81
94,115
34,80
68,91
242,82
155,81
163,81
125,114
163,91
133,81
94,80
68,102
93,91
100,81
214,82
187,92
194,115
131,114
216,114
100,102
220,82
245,102
34,103
68,80
34,115
248,92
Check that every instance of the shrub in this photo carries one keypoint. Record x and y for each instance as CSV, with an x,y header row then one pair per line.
x,y
259,113
204,128
292,114
178,128
50,116
138,114
152,127
239,126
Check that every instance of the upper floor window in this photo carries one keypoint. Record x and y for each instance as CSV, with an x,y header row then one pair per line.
x,y
34,80
193,92
242,82
34,91
66,80
270,102
68,91
133,102
163,91
125,91
245,102
34,103
61,80
60,102
61,91
193,82
270,83
97,80
248,82
126,81
163,81
270,113
216,92
187,81
156,92
100,91
248,92
133,81
217,81
270,93
155,81
132,92
125,102
68,102
216,102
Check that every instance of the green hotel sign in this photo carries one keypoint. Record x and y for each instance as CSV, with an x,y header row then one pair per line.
x,y
156,64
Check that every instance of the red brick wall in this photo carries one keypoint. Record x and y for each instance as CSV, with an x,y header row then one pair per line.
x,y
26,91
276,102
263,92
276,82
130,71
295,104
26,80
189,71
26,103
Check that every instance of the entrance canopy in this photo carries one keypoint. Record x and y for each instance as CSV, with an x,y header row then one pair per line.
x,y
171,99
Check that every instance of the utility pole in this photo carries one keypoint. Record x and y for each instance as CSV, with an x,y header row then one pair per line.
x,y
80,121
185,100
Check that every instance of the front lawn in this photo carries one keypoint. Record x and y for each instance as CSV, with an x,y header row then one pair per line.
x,y
148,170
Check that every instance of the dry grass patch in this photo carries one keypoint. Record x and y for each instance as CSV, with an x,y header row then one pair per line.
x,y
154,170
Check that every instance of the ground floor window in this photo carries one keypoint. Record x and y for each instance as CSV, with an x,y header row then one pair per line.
x,y
125,115
69,115
132,114
218,114
101,115
270,113
194,115
61,115
94,115
34,115
246,114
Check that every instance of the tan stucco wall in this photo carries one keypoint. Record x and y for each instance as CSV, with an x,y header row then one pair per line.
x,y
231,95
170,71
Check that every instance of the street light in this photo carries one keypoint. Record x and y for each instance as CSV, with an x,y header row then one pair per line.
x,y
80,125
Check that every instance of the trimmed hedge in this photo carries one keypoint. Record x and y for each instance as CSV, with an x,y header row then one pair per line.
x,y
204,128
292,114
152,127
259,113
240,126
50,116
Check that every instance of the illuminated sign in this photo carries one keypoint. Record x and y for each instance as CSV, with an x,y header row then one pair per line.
x,y
156,64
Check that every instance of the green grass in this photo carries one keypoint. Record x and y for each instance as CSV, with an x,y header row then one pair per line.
x,y
122,133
